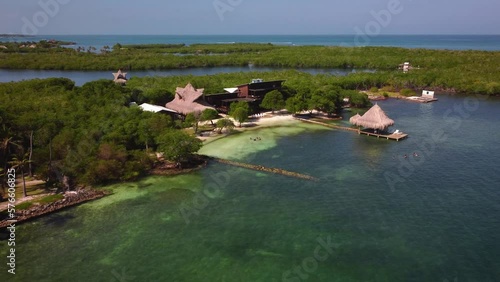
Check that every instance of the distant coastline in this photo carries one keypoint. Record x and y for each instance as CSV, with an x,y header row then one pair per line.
x,y
451,42
15,35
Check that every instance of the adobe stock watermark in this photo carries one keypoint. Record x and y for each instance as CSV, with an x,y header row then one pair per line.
x,y
224,6
323,251
202,199
453,120
381,19
373,28
220,182
40,19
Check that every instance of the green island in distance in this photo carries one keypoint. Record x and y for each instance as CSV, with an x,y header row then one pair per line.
x,y
90,136
468,72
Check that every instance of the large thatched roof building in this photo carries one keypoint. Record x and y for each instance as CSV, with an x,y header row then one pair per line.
x,y
188,100
374,118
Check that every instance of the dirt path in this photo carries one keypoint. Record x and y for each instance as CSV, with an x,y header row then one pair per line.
x,y
4,205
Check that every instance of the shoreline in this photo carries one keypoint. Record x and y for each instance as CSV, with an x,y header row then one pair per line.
x,y
75,198
70,199
292,40
255,123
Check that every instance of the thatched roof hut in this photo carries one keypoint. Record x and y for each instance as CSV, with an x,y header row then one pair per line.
x,y
374,118
188,100
120,77
354,118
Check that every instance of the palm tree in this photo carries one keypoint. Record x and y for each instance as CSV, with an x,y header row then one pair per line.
x,y
105,49
7,142
5,145
21,164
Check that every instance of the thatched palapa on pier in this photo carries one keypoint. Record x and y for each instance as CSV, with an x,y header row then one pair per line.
x,y
374,118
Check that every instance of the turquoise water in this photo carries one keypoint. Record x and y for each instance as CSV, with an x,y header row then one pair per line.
x,y
440,221
454,42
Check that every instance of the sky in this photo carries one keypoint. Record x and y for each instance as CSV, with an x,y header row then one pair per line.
x,y
214,17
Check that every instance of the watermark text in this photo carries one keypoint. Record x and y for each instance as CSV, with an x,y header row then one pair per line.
x,y
48,10
11,211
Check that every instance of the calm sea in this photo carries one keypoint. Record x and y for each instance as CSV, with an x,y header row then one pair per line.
x,y
372,216
454,42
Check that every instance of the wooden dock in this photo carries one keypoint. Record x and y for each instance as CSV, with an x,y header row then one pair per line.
x,y
420,99
391,136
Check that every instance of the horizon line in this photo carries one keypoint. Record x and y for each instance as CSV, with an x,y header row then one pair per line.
x,y
339,34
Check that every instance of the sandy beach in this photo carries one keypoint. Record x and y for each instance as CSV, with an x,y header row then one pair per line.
x,y
255,122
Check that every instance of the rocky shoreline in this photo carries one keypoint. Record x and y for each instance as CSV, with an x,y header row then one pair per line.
x,y
195,163
70,199
83,195
266,169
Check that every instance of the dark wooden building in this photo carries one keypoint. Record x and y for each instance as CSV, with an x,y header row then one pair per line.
x,y
258,88
252,93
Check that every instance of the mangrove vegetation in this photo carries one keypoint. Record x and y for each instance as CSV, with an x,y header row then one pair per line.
x,y
469,71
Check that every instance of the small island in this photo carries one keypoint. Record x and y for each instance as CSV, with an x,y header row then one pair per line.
x,y
122,128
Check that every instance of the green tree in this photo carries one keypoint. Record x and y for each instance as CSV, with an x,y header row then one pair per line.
x,y
240,104
224,123
177,145
326,99
209,115
356,98
117,47
6,145
273,101
288,92
108,164
192,119
240,112
296,104
240,115
20,163
151,125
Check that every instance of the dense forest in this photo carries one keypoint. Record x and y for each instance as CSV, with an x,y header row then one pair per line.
x,y
476,72
85,135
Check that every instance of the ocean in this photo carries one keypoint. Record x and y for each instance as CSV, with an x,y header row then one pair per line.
x,y
452,42
373,215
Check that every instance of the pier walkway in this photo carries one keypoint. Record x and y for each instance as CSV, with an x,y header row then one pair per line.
x,y
392,136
